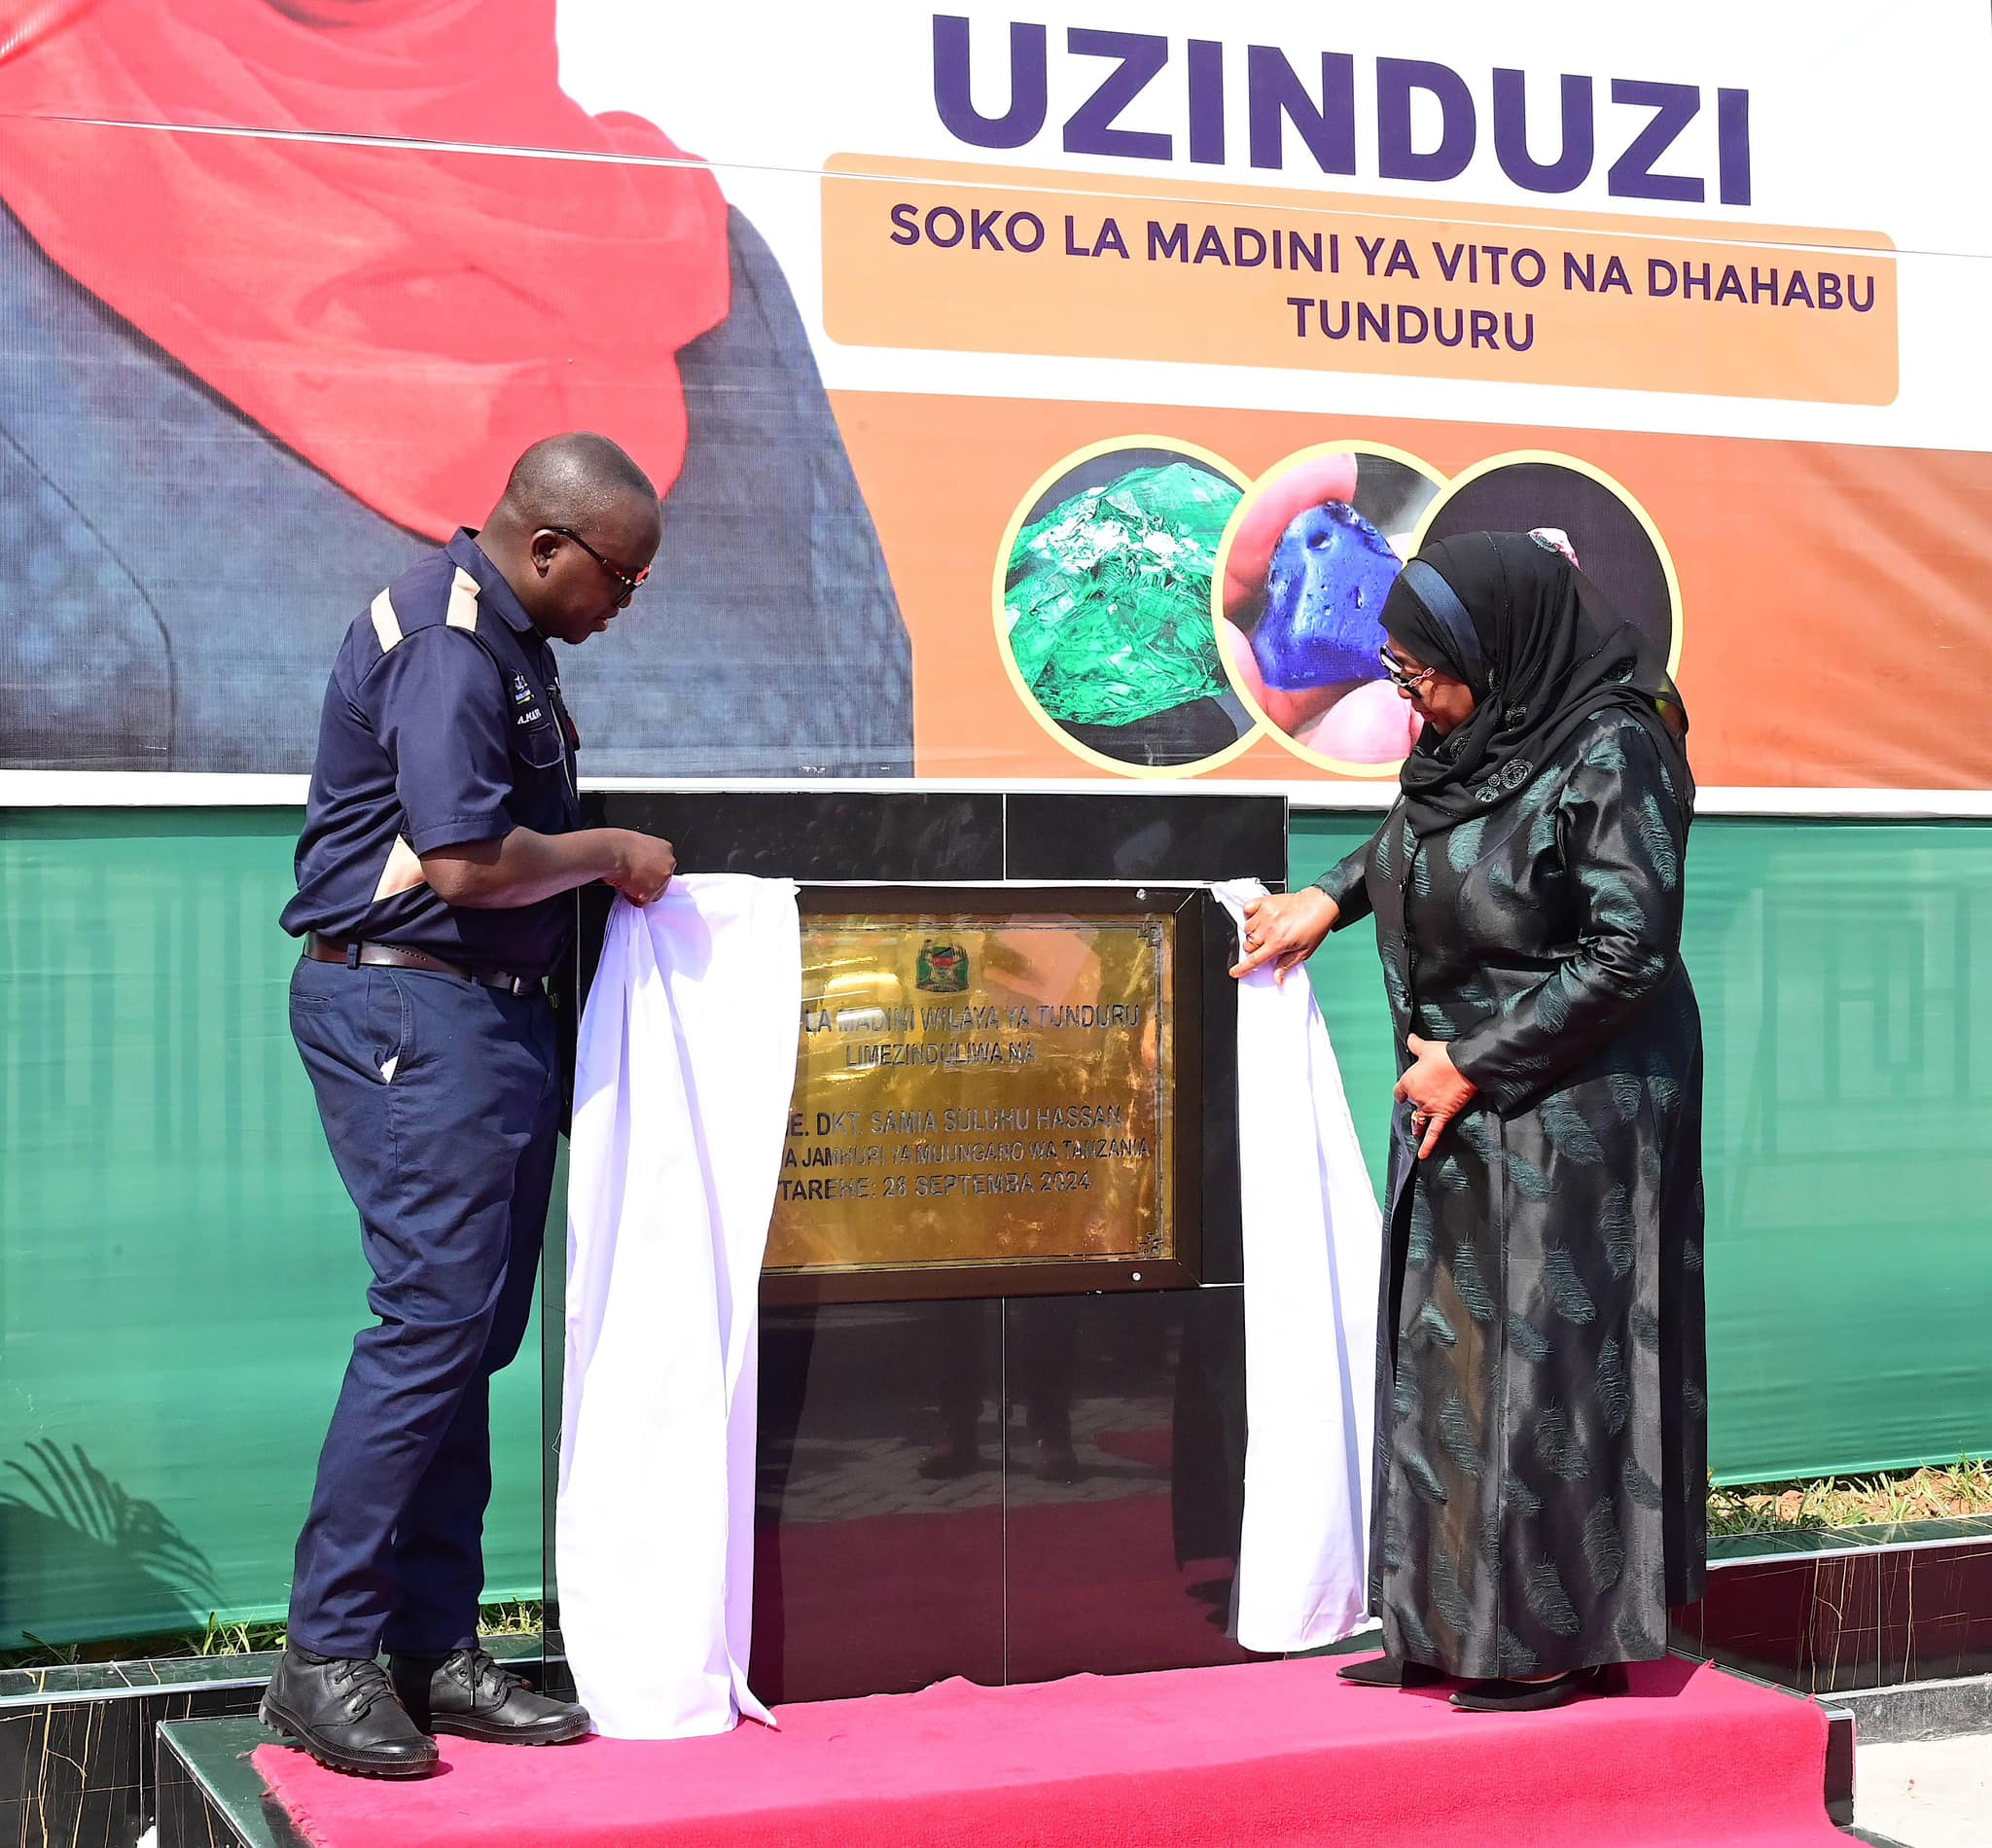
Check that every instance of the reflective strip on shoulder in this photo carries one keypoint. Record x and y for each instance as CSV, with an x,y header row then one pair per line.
x,y
386,624
463,601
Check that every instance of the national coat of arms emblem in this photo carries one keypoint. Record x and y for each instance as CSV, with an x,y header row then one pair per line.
x,y
943,969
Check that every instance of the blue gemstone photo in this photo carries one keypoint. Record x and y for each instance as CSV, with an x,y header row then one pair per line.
x,y
1310,558
1331,572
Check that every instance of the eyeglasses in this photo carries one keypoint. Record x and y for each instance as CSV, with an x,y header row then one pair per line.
x,y
1398,677
631,584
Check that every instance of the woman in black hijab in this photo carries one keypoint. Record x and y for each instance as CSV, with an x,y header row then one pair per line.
x,y
1542,1420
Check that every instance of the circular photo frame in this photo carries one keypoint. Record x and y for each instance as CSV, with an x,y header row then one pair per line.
x,y
1613,536
1102,597
1303,567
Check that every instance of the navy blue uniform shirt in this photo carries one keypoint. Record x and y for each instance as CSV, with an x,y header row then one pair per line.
x,y
443,723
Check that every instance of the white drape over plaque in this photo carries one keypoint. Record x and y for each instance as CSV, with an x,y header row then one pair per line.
x,y
1313,1254
686,1062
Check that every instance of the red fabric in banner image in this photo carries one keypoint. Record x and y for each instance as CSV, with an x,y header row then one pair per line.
x,y
1276,1753
407,319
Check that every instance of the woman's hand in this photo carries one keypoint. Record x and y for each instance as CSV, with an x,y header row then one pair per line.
x,y
1434,1090
1285,929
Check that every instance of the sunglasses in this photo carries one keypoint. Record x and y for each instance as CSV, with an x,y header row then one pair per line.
x,y
631,584
1398,675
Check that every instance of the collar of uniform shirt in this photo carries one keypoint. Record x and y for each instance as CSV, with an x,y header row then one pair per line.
x,y
496,592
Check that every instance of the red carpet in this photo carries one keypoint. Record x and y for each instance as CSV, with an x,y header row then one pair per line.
x,y
1265,1753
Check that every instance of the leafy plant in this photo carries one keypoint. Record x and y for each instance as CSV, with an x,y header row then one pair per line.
x,y
1890,1498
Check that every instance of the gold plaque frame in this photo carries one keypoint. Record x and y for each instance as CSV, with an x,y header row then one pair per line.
x,y
1000,1092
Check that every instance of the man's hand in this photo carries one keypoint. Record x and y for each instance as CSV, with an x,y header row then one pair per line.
x,y
644,865
522,867
1434,1090
1285,929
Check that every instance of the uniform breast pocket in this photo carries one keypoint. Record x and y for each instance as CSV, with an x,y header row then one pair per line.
x,y
540,746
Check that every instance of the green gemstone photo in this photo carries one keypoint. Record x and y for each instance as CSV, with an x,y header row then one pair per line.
x,y
1107,608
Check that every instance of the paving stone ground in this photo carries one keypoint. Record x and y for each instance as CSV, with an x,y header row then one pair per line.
x,y
1932,1794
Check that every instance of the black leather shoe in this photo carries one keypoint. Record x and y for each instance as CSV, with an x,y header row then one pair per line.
x,y
948,1459
470,1696
1056,1462
1536,1697
342,1710
1384,1671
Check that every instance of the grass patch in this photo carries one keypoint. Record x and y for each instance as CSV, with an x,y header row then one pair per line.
x,y
514,1616
518,1616
1892,1498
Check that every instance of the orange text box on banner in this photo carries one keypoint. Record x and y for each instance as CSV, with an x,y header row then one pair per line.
x,y
970,259
1833,596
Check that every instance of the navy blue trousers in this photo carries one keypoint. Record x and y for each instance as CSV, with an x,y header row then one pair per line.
x,y
441,1101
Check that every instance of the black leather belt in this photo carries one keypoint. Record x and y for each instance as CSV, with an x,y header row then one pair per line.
x,y
329,949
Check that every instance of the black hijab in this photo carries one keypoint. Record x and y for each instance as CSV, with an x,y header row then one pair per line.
x,y
1533,638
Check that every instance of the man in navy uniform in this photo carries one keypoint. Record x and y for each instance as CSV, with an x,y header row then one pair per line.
x,y
440,850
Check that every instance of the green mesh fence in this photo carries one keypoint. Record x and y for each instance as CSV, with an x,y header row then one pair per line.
x,y
180,1275
180,1270
1846,977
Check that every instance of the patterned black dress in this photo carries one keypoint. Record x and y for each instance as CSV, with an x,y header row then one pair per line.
x,y
1541,1418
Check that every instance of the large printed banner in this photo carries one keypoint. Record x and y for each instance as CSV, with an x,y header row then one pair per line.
x,y
1049,394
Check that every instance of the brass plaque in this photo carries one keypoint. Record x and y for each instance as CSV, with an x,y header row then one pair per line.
x,y
980,1089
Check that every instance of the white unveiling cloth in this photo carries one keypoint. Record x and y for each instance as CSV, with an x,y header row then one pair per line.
x,y
1313,1256
685,1063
